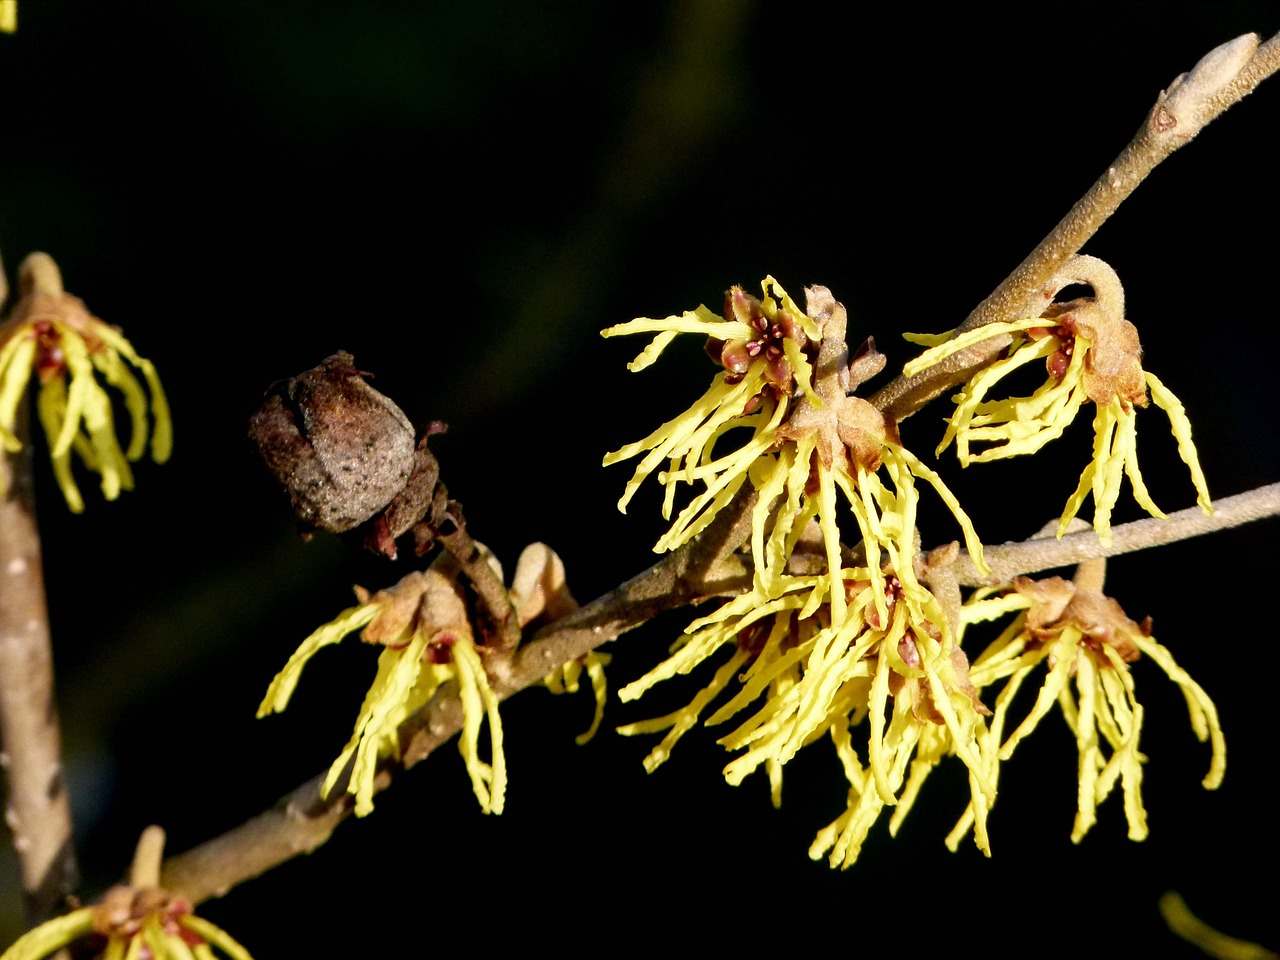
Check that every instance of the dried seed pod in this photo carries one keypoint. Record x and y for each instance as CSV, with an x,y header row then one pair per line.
x,y
340,449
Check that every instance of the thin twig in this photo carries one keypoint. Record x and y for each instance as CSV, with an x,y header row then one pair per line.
x,y
303,820
38,812
299,822
1032,556
486,583
1221,79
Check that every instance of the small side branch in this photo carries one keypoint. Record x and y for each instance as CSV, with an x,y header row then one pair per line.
x,y
705,567
302,820
1032,556
37,809
1221,79
486,583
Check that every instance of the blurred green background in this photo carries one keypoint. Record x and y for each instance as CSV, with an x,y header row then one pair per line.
x,y
462,196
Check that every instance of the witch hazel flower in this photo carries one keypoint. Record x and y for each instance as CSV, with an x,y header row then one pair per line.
x,y
912,687
788,378
765,346
767,644
906,656
832,441
131,923
134,921
51,335
427,640
425,630
793,678
1082,639
1092,355
912,747
820,657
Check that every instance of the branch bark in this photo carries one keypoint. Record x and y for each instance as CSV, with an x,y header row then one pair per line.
x,y
1046,553
37,809
1221,79
302,821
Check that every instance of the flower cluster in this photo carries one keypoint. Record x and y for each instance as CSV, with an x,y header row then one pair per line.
x,y
131,923
1084,637
134,921
51,334
787,380
863,638
816,649
799,676
425,630
1092,355
421,624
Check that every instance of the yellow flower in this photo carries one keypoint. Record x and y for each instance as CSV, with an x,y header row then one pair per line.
x,y
131,923
427,640
790,387
1091,354
817,675
51,333
765,346
1082,635
567,679
768,643
835,441
134,921
822,650
912,685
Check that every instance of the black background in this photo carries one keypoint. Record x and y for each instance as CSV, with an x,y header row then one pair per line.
x,y
461,196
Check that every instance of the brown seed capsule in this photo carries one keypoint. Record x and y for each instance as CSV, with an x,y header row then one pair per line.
x,y
341,450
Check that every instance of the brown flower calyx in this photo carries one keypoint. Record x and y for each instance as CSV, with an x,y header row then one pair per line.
x,y
853,590
753,638
43,304
427,602
124,909
850,431
737,356
1059,603
908,653
349,460
924,706
1113,363
539,590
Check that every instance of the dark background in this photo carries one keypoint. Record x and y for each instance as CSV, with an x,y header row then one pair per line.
x,y
461,196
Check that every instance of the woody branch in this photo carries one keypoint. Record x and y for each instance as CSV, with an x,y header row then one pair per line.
x,y
707,566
